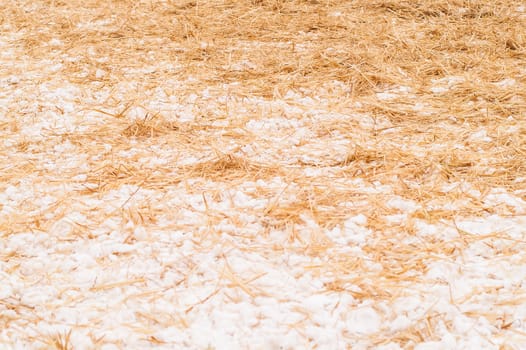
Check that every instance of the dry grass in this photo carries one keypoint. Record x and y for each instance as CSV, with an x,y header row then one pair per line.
x,y
419,144
62,341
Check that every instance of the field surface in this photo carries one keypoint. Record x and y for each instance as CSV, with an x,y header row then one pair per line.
x,y
263,174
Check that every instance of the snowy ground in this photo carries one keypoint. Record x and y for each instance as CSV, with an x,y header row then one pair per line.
x,y
204,219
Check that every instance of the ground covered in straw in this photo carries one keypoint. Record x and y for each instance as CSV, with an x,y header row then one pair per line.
x,y
263,174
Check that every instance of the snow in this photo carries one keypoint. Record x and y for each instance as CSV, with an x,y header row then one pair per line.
x,y
445,84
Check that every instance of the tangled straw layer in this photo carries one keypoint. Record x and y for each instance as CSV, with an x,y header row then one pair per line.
x,y
358,166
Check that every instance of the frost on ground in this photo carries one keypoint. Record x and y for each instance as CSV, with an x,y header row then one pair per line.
x,y
161,187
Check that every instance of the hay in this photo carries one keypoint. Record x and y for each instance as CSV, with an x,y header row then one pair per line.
x,y
254,130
